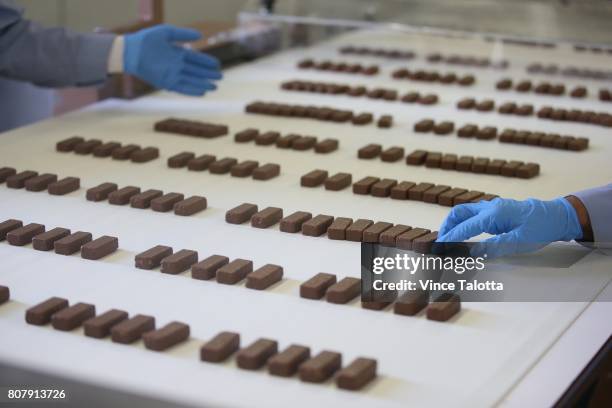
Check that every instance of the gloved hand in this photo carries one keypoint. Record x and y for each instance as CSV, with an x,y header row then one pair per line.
x,y
154,56
518,226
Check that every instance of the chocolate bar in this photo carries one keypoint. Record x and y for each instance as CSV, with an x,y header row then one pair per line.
x,y
424,126
145,155
286,142
411,97
504,84
315,287
467,131
355,231
486,105
8,226
247,135
87,146
416,192
448,197
433,159
266,138
362,119
364,185
509,169
125,152
266,172
338,181
389,236
40,182
180,159
429,99
100,326
67,145
241,214
72,317
6,172
190,206
444,307
304,143
286,363
344,291
100,192
222,166
314,178
411,302
72,243
524,110
400,191
170,335
392,154
528,170
431,195
321,367
99,248
105,149
220,347
264,277
369,151
64,186
234,272
166,202
201,163
143,200
45,241
448,162
256,354
293,223
424,243
466,80
444,128
41,313
406,240
486,133
179,261
383,187
267,217
579,92
416,158
129,330
466,103
337,229
385,121
23,235
152,258
317,226
464,163
326,146
123,195
507,108
523,86
357,374
495,166
467,197
18,180
207,268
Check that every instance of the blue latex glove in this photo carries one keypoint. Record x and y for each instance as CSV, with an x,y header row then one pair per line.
x,y
154,56
518,226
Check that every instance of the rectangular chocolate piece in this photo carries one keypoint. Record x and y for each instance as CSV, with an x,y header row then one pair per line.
x,y
405,240
266,138
416,158
40,182
166,202
246,135
45,241
286,363
264,277
431,195
130,330
170,335
18,180
293,222
448,197
433,160
417,192
364,185
5,294
8,226
357,374
267,217
234,272
304,143
509,169
220,347
320,368
244,169
123,195
152,258
389,236
411,302
338,181
528,170
100,326
180,160
241,214
369,151
449,162
124,152
99,248
372,233
105,149
286,142
72,317
355,231
67,145
41,313
317,226
179,261
87,146
400,191
315,287
464,163
100,192
392,154
494,166
190,206
143,200
344,291
201,163
72,243
23,235
467,197
444,307
326,146
266,172
383,188
207,268
256,354
6,172
65,186
313,179
424,243
479,165
222,166
337,229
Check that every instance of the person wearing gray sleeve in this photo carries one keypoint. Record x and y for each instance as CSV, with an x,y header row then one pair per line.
x,y
598,205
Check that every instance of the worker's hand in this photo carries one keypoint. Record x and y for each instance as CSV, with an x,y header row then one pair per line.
x,y
156,56
518,226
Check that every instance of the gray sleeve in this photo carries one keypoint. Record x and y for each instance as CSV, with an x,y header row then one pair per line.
x,y
598,202
50,56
